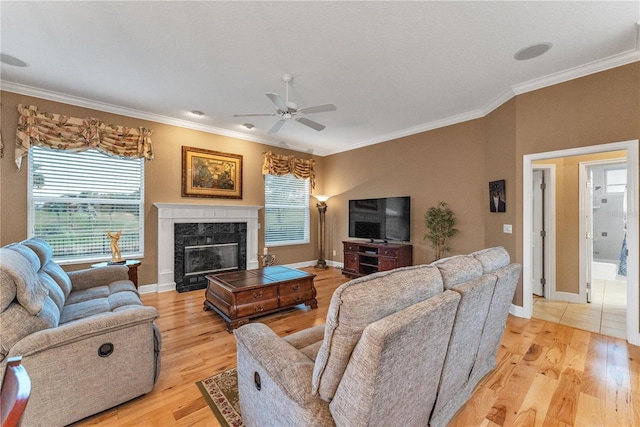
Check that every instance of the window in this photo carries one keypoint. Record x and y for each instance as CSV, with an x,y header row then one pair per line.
x,y
75,198
615,180
286,210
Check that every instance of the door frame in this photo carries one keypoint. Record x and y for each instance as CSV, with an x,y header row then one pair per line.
x,y
633,308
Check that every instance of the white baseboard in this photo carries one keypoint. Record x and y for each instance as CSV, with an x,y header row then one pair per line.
x,y
154,288
313,263
517,311
567,297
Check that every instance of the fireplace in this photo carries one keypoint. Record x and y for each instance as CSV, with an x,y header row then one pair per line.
x,y
204,225
205,259
204,248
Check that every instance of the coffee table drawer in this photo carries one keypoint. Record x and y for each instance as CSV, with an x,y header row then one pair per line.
x,y
257,308
295,299
295,288
257,295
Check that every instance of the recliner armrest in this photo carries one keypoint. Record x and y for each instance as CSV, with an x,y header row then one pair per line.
x,y
82,329
92,277
286,366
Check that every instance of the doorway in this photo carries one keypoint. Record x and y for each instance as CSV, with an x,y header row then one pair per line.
x,y
572,296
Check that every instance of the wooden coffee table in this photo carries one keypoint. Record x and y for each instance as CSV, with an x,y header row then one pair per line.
x,y
241,295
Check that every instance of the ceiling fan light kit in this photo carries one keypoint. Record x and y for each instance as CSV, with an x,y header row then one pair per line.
x,y
288,110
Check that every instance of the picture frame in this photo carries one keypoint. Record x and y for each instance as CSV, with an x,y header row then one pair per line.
x,y
497,196
207,173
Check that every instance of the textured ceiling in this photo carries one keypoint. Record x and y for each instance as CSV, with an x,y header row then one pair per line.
x,y
391,68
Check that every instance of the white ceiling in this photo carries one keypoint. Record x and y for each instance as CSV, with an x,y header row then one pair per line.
x,y
392,68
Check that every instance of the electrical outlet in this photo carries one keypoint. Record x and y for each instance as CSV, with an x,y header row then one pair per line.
x,y
334,252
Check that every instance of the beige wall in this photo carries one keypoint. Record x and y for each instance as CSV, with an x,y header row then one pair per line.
x,y
500,163
430,167
163,178
453,164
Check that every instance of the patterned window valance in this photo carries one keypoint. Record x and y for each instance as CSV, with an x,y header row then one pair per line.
x,y
70,133
278,164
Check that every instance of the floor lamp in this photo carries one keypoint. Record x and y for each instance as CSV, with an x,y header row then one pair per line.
x,y
322,209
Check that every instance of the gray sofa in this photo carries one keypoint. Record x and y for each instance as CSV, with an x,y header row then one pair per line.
x,y
85,338
403,347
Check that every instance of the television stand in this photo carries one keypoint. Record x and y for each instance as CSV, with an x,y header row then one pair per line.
x,y
363,258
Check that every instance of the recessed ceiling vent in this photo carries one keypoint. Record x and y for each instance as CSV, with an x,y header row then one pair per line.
x,y
12,60
532,51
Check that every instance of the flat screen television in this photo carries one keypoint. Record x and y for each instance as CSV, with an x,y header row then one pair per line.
x,y
387,219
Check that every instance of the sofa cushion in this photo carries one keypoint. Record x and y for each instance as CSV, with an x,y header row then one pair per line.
x,y
100,299
492,259
458,269
7,288
55,293
24,323
48,266
308,341
21,264
356,304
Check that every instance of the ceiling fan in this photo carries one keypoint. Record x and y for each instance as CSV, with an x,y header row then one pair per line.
x,y
288,110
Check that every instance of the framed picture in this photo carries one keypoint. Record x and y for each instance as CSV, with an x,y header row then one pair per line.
x,y
497,196
207,173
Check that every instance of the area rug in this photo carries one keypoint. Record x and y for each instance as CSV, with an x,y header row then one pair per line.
x,y
221,393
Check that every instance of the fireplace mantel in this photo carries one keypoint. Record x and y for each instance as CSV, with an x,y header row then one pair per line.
x,y
171,213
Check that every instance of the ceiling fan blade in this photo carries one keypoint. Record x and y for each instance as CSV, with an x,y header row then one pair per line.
x,y
318,109
310,123
277,99
254,115
276,127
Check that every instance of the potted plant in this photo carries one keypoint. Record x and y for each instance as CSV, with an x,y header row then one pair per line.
x,y
440,221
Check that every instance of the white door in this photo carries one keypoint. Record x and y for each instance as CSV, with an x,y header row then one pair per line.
x,y
588,225
537,233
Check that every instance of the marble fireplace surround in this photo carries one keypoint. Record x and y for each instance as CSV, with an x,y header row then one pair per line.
x,y
172,213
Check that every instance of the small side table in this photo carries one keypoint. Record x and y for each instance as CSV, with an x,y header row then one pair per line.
x,y
133,265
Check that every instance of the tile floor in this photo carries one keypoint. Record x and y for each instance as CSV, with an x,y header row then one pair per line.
x,y
606,314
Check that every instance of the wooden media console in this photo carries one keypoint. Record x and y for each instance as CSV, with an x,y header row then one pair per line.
x,y
365,258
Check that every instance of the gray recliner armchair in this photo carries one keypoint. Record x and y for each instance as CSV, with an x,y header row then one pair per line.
x,y
85,338
364,367
403,347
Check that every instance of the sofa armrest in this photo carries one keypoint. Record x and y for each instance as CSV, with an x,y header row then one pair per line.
x,y
103,276
79,330
287,367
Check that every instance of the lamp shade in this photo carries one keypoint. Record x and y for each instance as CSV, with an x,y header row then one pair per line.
x,y
322,198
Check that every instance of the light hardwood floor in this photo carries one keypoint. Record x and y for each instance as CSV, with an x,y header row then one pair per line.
x,y
547,374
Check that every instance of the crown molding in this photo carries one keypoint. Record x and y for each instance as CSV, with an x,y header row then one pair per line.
x,y
577,72
123,111
550,80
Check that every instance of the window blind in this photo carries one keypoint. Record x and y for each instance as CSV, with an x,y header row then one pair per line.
x,y
75,198
286,210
